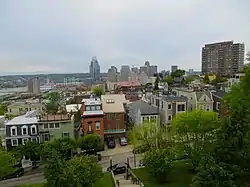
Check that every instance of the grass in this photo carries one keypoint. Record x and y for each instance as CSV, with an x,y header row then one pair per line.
x,y
105,181
179,176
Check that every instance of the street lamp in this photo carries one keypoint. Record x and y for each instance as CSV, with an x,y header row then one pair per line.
x,y
110,162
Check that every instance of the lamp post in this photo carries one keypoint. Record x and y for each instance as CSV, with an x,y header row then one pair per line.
x,y
110,162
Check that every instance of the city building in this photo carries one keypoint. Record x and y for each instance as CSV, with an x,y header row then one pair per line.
x,y
235,79
202,100
114,114
94,69
150,70
54,126
124,73
174,68
21,129
168,105
18,108
135,70
143,78
141,112
226,58
92,117
112,74
34,85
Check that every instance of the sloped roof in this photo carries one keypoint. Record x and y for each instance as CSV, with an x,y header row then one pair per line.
x,y
145,108
200,94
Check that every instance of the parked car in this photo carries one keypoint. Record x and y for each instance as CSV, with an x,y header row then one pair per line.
x,y
118,168
19,171
123,141
111,142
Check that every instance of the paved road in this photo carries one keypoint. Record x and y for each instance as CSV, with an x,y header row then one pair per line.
x,y
38,177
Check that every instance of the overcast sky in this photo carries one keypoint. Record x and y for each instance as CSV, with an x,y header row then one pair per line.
x,y
62,35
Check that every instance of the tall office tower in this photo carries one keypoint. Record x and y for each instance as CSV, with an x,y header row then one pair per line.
x,y
135,70
112,74
152,70
224,58
94,69
147,63
174,68
34,85
143,69
124,73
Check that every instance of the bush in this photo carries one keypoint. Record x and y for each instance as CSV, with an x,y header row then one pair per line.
x,y
158,163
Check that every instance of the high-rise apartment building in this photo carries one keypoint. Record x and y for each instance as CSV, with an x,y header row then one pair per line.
x,y
226,58
124,73
174,68
34,85
94,69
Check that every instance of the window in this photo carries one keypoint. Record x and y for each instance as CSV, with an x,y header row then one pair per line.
x,y
162,106
98,107
191,107
181,107
201,107
13,131
205,98
169,106
45,126
33,130
33,139
217,105
14,142
24,130
92,108
152,118
169,117
57,125
65,134
51,125
10,110
46,137
89,126
97,125
208,108
24,140
87,108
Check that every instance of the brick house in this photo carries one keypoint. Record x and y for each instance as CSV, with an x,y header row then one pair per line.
x,y
114,114
92,117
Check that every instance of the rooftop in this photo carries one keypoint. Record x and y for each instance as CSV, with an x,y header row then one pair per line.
x,y
218,93
113,103
91,101
128,83
73,107
28,118
174,98
54,117
144,107
201,93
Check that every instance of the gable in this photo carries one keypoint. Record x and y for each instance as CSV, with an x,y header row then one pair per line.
x,y
204,98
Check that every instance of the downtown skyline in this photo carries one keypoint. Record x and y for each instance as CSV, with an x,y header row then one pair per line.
x,y
63,37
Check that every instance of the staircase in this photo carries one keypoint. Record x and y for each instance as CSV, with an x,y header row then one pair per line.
x,y
123,182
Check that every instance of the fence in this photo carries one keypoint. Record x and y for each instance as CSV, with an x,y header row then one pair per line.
x,y
134,179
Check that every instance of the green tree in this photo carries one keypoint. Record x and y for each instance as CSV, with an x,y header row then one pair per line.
x,y
206,79
31,150
98,91
7,163
63,147
84,171
156,85
195,130
3,109
189,79
169,80
232,146
178,73
90,142
248,57
158,163
52,102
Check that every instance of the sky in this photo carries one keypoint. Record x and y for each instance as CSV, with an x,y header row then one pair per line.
x,y
62,36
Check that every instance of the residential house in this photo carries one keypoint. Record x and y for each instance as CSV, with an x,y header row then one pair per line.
x,y
202,100
140,112
92,117
114,114
18,108
235,79
21,129
169,106
219,105
54,126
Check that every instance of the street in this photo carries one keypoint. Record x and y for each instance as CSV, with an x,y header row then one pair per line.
x,y
38,177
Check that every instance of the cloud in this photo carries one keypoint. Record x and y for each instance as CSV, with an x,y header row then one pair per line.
x,y
62,36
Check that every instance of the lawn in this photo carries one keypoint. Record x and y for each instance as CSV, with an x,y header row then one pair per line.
x,y
179,176
105,181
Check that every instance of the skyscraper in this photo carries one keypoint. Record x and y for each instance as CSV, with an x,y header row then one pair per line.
x,y
112,74
34,85
125,73
224,58
94,69
174,68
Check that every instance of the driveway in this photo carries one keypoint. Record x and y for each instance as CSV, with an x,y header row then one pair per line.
x,y
117,150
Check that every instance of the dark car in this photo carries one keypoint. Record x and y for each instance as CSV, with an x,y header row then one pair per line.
x,y
111,142
17,173
118,168
123,141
